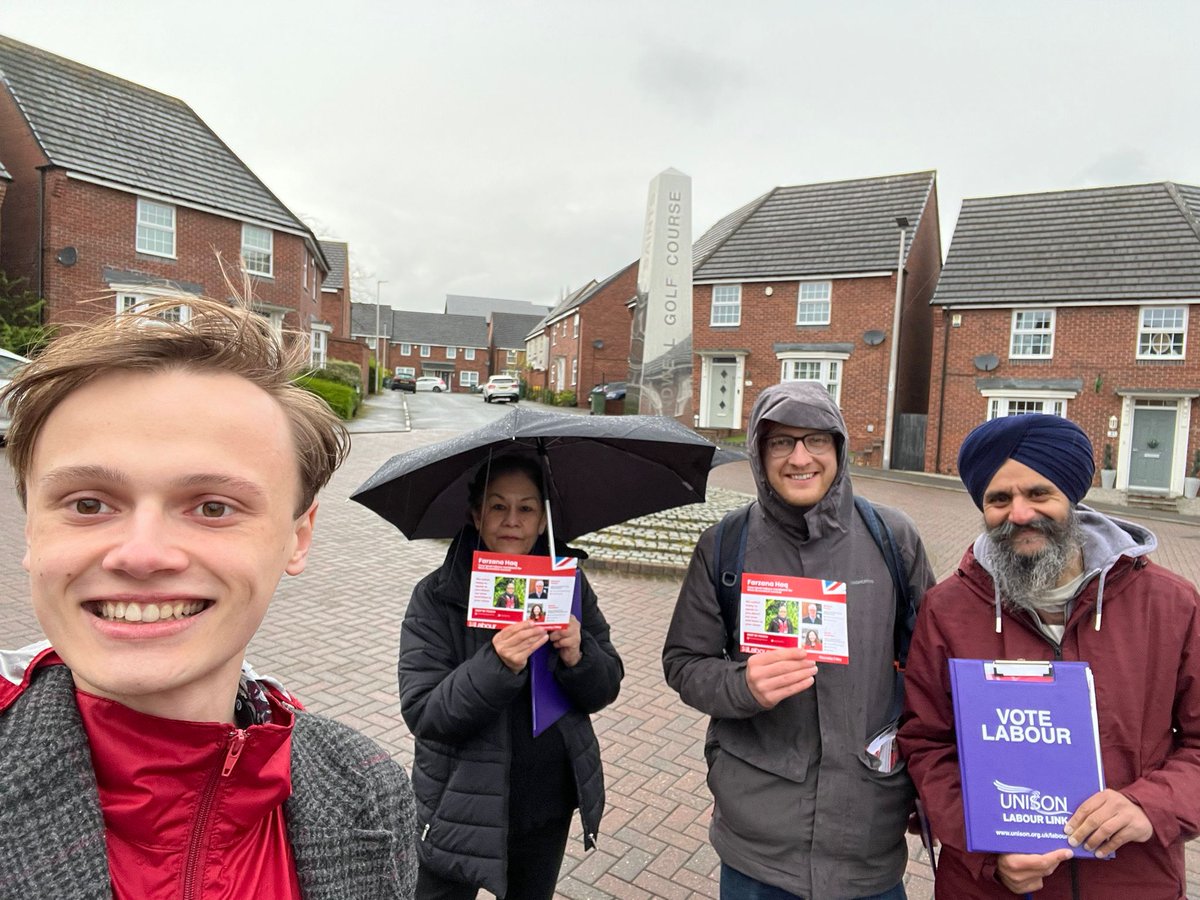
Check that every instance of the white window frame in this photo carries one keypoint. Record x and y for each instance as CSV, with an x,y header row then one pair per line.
x,y
257,268
468,378
814,309
136,301
469,354
831,369
574,370
319,346
410,371
1016,333
451,353
426,350
304,276
575,332
406,349
731,302
152,231
1007,403
510,358
1148,332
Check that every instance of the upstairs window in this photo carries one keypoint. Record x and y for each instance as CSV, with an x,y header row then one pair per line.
x,y
257,249
813,305
1032,334
425,350
451,352
155,228
726,304
406,349
1161,332
468,353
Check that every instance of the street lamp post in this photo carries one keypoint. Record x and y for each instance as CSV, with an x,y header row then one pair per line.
x,y
379,351
889,422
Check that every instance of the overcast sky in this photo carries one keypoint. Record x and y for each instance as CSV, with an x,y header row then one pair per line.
x,y
504,149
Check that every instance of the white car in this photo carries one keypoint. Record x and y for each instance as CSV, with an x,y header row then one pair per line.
x,y
431,383
501,387
9,364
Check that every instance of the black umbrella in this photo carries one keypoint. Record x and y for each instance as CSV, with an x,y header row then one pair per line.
x,y
600,471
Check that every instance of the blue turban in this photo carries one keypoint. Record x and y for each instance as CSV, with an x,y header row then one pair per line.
x,y
1054,446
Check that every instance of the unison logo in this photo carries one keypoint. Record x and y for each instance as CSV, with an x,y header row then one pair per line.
x,y
1024,799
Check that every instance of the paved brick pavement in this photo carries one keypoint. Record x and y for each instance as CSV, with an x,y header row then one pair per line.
x,y
332,635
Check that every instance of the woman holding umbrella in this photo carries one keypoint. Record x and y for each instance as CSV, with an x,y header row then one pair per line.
x,y
495,802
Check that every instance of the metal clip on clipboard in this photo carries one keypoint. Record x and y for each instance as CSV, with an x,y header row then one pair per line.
x,y
1019,670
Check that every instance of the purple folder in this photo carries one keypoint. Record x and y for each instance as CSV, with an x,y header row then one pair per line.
x,y
549,701
1028,751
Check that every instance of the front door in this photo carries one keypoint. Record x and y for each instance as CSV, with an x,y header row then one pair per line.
x,y
722,378
1152,447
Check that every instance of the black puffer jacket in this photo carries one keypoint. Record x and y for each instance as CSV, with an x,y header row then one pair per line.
x,y
455,695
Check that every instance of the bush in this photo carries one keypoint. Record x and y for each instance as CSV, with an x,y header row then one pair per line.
x,y
564,398
340,372
534,392
371,378
342,399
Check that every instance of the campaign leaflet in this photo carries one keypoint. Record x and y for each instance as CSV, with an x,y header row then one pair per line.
x,y
779,611
506,589
1028,751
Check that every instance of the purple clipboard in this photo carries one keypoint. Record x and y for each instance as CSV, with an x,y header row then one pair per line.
x,y
549,701
1028,750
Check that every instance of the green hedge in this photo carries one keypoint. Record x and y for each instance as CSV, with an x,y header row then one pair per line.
x,y
341,372
342,399
565,398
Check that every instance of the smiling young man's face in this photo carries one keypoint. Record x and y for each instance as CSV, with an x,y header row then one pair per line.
x,y
802,477
160,518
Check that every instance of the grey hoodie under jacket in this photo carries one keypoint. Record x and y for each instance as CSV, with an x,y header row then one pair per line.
x,y
796,804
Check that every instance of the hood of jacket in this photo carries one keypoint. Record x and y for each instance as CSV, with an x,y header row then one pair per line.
x,y
1105,542
801,404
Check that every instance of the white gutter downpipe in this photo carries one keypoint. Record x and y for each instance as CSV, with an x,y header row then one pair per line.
x,y
894,359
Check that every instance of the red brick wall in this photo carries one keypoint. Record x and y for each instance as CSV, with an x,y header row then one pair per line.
x,y
19,234
1098,345
856,305
437,354
350,351
923,266
3,191
605,317
101,224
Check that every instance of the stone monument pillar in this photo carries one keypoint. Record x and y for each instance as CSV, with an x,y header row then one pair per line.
x,y
660,351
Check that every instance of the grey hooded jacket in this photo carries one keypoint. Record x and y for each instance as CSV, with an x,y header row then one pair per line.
x,y
796,805
350,818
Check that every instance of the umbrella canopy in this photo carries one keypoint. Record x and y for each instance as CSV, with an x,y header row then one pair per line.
x,y
602,470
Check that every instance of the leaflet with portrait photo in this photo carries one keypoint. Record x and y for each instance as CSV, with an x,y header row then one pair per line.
x,y
779,611
506,589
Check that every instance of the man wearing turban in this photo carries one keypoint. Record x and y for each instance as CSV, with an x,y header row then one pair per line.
x,y
1050,578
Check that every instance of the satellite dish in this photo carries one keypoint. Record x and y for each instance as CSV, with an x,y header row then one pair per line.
x,y
873,338
985,362
68,256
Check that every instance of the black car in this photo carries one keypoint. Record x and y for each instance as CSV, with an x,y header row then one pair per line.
x,y
404,383
614,390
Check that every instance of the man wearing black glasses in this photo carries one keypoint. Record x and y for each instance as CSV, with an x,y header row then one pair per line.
x,y
801,808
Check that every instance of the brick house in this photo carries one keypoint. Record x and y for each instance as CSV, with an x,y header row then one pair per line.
x,y
120,195
587,335
1076,303
801,283
331,329
422,343
506,342
5,178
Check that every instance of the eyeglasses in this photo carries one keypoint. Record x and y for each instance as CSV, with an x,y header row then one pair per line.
x,y
816,443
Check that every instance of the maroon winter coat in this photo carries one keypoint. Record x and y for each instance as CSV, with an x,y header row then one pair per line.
x,y
1146,662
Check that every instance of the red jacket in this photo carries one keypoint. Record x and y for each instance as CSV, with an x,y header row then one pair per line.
x,y
1146,662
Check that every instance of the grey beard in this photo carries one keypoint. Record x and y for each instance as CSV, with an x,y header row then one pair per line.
x,y
1024,578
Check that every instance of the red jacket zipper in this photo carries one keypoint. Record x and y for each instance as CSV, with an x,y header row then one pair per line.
x,y
198,842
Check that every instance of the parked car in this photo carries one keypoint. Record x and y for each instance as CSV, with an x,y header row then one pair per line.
x,y
614,390
430,383
404,383
501,387
9,364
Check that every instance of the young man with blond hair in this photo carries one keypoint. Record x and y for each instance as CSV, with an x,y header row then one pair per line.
x,y
169,473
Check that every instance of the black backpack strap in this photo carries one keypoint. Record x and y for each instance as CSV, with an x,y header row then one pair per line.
x,y
906,606
729,560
